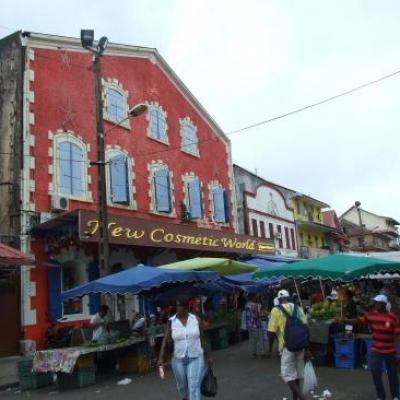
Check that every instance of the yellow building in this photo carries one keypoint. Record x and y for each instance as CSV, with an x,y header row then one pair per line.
x,y
312,234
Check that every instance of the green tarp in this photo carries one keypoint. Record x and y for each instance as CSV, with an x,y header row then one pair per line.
x,y
224,266
336,267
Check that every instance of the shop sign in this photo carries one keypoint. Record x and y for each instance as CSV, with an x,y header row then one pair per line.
x,y
134,231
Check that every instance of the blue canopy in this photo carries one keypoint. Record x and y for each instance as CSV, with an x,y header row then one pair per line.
x,y
138,279
246,282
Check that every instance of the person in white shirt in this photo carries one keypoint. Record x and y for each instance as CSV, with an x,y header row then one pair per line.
x,y
99,324
190,348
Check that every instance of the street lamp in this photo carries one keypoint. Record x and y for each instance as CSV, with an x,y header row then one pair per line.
x,y
87,41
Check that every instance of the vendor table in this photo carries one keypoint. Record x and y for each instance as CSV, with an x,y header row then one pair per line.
x,y
64,360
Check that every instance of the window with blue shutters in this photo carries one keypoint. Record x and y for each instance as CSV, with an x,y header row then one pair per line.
x,y
189,137
157,124
54,285
220,205
119,185
71,168
195,203
162,190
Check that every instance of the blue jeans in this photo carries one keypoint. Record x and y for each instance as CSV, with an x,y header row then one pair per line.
x,y
189,373
378,362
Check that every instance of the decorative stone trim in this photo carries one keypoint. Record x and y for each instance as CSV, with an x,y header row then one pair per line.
x,y
111,152
155,105
115,85
151,167
188,122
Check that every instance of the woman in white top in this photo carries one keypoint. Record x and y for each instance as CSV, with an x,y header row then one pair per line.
x,y
190,348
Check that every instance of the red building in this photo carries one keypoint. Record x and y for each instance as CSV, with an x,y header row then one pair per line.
x,y
169,172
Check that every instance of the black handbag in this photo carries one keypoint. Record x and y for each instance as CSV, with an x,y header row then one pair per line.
x,y
209,384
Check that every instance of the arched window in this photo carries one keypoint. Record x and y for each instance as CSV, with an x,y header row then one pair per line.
x,y
189,137
115,103
157,124
161,189
193,195
120,178
70,167
220,204
119,186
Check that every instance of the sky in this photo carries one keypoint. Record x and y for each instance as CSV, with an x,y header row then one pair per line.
x,y
251,61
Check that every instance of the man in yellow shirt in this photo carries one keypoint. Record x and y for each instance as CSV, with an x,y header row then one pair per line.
x,y
292,363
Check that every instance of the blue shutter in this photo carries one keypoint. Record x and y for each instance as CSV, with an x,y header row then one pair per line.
x,y
219,205
119,179
65,172
226,206
76,168
54,285
94,298
162,190
195,205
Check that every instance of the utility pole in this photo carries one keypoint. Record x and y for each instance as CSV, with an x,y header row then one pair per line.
x,y
101,173
87,40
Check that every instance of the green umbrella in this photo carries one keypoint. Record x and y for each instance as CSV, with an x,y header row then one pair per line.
x,y
337,267
224,266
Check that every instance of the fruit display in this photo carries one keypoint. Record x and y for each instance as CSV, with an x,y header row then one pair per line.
x,y
325,310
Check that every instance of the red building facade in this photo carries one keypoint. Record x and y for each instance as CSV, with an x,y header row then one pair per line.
x,y
171,166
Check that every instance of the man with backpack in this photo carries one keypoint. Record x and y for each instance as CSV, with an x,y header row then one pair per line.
x,y
288,323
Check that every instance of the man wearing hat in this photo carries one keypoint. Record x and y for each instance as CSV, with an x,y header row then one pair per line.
x,y
292,363
385,327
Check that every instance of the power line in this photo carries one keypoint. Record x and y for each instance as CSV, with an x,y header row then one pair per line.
x,y
318,103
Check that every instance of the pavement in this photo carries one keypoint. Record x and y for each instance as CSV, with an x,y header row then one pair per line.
x,y
240,377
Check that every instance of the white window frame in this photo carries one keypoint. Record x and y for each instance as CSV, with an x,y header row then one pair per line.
x,y
186,122
156,106
152,193
69,137
189,178
115,85
110,153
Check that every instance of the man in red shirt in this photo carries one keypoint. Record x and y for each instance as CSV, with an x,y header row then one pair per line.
x,y
384,326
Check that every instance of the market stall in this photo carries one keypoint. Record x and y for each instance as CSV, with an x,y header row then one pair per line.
x,y
75,365
348,275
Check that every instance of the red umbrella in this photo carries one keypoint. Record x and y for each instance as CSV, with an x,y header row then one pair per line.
x,y
11,256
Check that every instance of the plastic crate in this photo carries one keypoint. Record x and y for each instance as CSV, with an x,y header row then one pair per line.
x,y
345,361
35,381
345,345
79,378
85,361
25,365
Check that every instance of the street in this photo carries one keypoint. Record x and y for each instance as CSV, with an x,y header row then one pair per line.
x,y
239,377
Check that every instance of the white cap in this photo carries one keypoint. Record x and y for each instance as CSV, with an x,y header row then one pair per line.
x,y
283,293
381,298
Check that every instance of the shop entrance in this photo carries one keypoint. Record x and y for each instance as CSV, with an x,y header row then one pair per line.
x,y
10,313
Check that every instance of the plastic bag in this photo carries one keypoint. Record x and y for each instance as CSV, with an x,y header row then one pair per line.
x,y
310,379
209,385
